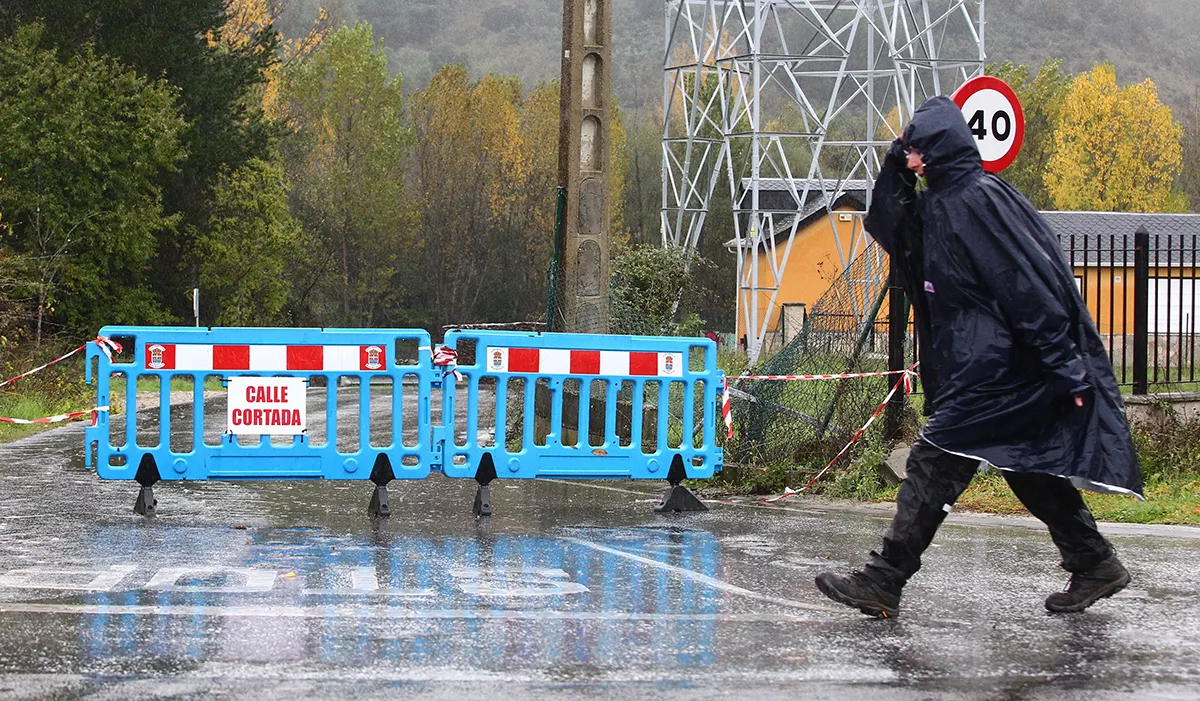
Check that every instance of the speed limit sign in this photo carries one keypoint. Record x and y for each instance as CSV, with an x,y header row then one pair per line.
x,y
995,118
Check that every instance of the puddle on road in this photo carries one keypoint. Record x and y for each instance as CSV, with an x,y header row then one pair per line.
x,y
504,601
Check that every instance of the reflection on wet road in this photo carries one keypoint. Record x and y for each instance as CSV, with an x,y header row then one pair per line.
x,y
287,590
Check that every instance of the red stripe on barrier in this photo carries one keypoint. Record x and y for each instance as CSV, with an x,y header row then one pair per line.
x,y
305,358
523,359
371,357
585,362
160,356
643,363
231,357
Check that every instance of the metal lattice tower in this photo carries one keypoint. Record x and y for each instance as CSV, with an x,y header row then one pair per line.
x,y
798,98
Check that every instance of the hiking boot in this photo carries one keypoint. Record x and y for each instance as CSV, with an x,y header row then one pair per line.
x,y
861,592
1089,586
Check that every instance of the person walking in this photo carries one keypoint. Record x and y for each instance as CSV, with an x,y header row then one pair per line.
x,y
1014,372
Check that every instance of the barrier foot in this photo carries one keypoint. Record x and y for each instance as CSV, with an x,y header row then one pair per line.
x,y
147,477
484,474
678,497
379,503
146,503
381,474
483,501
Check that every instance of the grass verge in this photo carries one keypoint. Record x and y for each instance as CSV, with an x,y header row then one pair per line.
x,y
1168,448
57,390
1170,500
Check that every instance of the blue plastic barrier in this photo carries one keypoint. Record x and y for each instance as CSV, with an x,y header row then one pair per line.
x,y
656,398
198,447
516,405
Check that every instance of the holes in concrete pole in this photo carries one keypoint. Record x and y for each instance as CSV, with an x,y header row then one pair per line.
x,y
589,143
591,22
591,85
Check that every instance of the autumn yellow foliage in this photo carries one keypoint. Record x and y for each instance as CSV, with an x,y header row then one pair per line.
x,y
245,18
1116,148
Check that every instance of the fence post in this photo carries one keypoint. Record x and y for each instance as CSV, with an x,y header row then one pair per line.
x,y
1141,308
897,331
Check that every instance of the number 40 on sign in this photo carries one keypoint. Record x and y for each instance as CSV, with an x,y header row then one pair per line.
x,y
995,118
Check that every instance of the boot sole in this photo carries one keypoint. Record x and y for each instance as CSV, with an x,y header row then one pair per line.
x,y
871,608
1104,593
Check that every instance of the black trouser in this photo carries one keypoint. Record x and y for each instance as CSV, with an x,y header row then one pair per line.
x,y
935,481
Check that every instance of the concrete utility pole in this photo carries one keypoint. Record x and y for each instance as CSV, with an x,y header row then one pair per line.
x,y
583,163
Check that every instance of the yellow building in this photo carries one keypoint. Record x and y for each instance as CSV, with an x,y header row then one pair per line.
x,y
824,244
1099,245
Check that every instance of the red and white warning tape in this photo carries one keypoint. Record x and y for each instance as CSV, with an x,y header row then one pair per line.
x,y
905,381
447,358
843,376
74,415
727,407
107,346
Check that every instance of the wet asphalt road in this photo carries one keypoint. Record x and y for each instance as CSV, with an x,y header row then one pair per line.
x,y
285,590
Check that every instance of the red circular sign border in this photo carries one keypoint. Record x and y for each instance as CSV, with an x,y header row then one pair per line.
x,y
989,82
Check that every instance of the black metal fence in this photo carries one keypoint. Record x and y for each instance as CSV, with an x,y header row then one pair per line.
x,y
1141,289
1142,292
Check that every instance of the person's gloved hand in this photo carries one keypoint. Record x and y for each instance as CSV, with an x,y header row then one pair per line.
x,y
897,157
897,153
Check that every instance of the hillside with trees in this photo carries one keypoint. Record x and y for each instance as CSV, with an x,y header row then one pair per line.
x,y
522,38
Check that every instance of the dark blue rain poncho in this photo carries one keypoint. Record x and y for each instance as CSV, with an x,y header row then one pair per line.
x,y
1006,342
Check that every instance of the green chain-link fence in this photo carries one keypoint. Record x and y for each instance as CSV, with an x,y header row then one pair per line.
x,y
808,422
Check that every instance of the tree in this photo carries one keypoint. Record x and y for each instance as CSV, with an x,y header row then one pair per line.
x,y
346,161
249,247
1189,176
1042,97
179,42
643,194
471,169
618,174
1116,149
85,145
646,283
246,19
